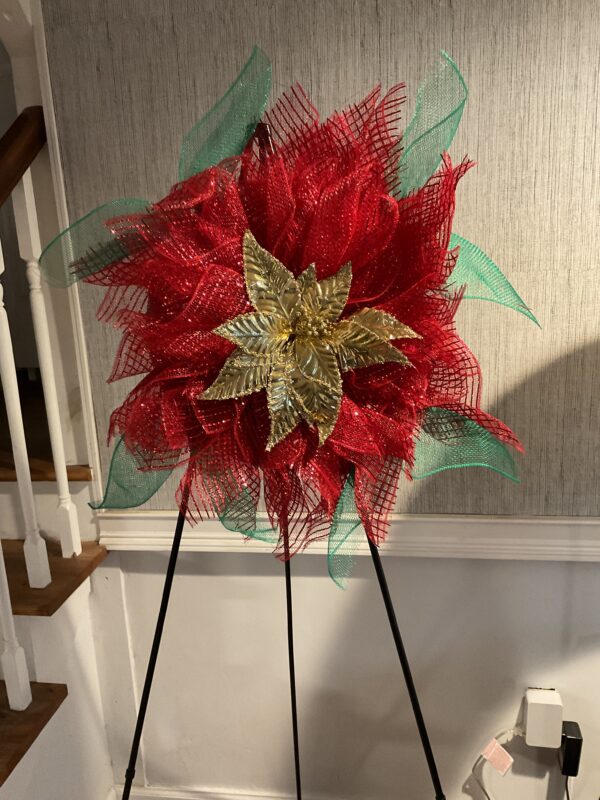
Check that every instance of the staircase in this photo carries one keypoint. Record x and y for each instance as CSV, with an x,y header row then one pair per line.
x,y
20,729
56,744
52,739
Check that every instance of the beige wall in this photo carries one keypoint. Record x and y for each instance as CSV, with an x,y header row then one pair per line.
x,y
130,78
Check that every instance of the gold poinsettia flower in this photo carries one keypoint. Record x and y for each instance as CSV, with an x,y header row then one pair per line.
x,y
295,345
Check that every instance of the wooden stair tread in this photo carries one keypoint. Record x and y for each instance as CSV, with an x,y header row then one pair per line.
x,y
41,469
67,575
20,729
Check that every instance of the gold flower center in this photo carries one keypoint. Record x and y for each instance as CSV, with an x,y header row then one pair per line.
x,y
296,346
312,327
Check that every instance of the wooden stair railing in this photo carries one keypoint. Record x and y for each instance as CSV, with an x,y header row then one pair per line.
x,y
19,146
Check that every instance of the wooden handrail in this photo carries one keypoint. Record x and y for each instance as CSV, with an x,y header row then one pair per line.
x,y
19,146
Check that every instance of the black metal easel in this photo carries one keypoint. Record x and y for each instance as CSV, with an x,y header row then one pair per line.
x,y
160,622
290,636
408,679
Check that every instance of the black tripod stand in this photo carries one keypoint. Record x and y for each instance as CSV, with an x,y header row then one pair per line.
x,y
160,623
412,692
408,679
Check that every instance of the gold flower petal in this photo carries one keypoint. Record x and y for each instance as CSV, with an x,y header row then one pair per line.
x,y
380,353
316,359
384,325
309,293
240,375
283,408
320,404
348,332
257,333
358,347
271,287
326,428
325,299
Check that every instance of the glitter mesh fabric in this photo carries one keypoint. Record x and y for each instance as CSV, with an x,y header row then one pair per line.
x,y
345,189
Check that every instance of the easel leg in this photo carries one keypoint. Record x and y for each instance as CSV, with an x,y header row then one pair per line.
x,y
160,623
412,692
290,635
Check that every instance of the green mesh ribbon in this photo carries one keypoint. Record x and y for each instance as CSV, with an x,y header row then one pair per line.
x,y
128,486
450,441
344,535
228,126
440,103
447,441
240,517
482,278
88,245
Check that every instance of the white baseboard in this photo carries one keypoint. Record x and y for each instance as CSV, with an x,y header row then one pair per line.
x,y
424,536
163,793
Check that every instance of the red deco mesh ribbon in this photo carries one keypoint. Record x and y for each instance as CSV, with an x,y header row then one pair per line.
x,y
311,191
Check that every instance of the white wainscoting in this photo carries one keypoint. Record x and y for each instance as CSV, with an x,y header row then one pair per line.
x,y
434,536
478,633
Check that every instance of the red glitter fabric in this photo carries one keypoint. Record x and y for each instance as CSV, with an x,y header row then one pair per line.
x,y
322,192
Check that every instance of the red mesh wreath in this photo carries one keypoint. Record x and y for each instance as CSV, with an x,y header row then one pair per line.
x,y
310,192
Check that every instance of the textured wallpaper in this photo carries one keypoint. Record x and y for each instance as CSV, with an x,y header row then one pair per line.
x,y
130,78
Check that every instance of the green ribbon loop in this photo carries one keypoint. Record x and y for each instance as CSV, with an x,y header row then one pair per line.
x,y
441,100
128,486
483,279
344,536
88,243
450,441
239,516
226,129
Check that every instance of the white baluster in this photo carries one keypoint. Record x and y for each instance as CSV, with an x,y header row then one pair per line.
x,y
14,666
69,529
29,246
36,557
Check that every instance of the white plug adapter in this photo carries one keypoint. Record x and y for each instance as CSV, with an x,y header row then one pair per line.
x,y
543,717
